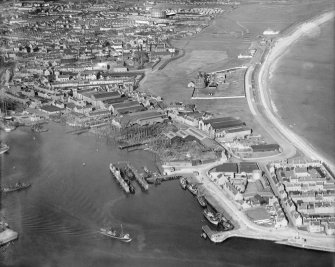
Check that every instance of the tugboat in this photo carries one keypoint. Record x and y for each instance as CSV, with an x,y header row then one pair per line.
x,y
202,201
3,148
211,217
125,177
193,189
114,234
37,128
183,182
17,187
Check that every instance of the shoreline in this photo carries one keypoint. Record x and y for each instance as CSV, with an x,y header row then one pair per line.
x,y
244,228
276,51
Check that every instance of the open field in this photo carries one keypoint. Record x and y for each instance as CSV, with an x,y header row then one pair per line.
x,y
230,35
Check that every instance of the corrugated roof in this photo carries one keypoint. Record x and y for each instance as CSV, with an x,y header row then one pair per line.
x,y
265,147
106,94
227,167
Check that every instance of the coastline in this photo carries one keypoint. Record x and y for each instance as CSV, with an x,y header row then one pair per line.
x,y
276,51
244,228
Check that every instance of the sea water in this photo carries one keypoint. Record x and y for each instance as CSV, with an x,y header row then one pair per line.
x,y
59,217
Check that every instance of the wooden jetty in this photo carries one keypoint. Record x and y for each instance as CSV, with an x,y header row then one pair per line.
x,y
130,145
138,176
158,179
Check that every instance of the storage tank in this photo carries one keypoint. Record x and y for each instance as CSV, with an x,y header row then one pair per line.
x,y
256,174
157,13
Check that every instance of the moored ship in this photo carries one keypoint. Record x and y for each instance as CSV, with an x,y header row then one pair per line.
x,y
124,237
211,217
202,201
192,188
17,187
117,174
183,182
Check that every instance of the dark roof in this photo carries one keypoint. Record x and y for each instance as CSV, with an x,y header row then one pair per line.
x,y
106,95
141,115
115,100
125,104
130,109
248,167
224,122
228,124
226,167
50,108
265,147
215,120
238,129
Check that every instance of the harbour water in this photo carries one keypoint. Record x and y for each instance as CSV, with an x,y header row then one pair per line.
x,y
303,88
58,218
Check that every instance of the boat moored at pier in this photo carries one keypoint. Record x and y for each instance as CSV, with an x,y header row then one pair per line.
x,y
202,201
193,189
211,217
117,174
183,182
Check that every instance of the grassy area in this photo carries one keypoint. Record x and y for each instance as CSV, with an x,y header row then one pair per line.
x,y
217,48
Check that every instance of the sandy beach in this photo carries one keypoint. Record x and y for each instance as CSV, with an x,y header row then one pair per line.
x,y
275,53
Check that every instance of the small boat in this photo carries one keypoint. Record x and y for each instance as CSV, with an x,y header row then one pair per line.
x,y
3,148
17,187
38,129
202,201
183,182
203,235
227,225
193,189
114,234
211,217
9,128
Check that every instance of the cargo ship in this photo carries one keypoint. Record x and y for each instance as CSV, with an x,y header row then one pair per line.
x,y
117,174
193,189
202,201
3,148
183,182
17,187
213,219
124,237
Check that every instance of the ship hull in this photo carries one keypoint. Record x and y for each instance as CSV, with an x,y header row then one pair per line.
x,y
126,240
211,219
9,190
202,201
192,189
